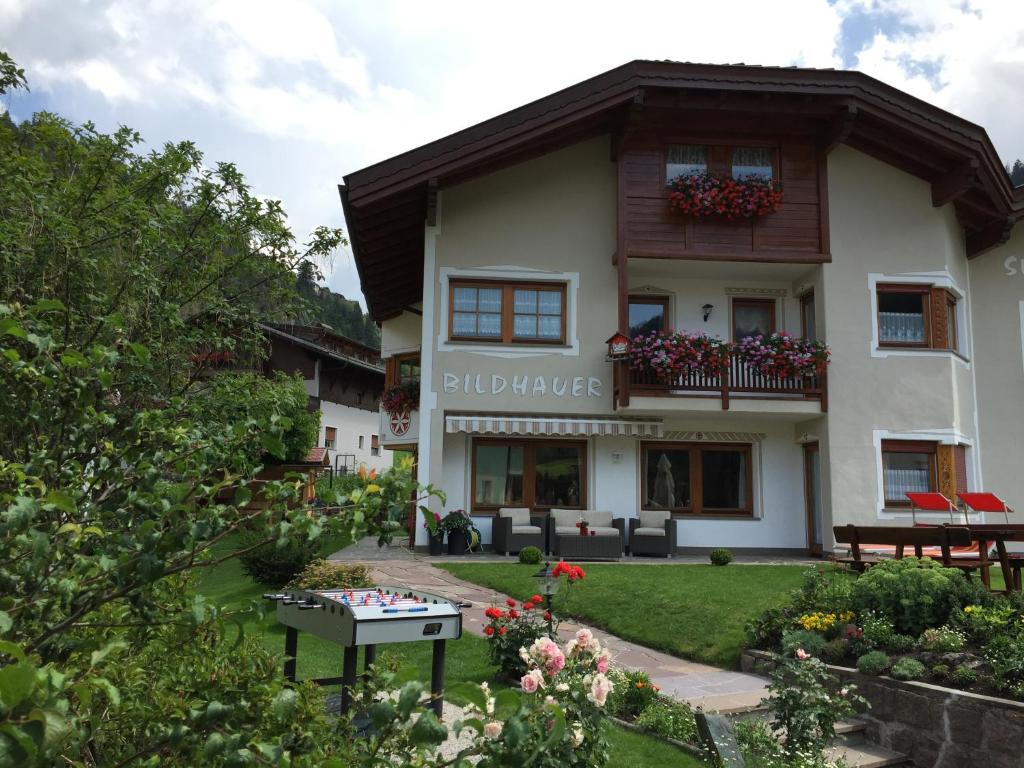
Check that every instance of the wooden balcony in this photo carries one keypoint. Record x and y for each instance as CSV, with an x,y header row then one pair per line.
x,y
739,381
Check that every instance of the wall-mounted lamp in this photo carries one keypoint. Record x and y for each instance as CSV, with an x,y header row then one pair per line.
x,y
707,311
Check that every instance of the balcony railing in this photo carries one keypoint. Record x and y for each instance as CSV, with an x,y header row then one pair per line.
x,y
739,379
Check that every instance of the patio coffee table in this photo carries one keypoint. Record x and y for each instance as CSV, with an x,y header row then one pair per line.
x,y
576,547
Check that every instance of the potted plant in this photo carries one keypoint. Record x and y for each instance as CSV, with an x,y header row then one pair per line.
x,y
435,534
457,524
584,526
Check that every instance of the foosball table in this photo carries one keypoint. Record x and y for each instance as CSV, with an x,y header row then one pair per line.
x,y
355,618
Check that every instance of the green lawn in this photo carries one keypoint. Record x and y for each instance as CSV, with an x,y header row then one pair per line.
x,y
693,611
466,658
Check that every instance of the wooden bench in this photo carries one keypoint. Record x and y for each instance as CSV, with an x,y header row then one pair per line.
x,y
943,537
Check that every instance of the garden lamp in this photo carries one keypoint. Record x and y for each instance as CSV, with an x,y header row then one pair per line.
x,y
547,585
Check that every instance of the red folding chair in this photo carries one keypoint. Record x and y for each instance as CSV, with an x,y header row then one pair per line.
x,y
985,502
932,502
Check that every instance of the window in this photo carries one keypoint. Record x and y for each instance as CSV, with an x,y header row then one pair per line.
x,y
752,317
529,473
903,315
646,314
512,313
360,442
808,325
697,478
684,160
907,466
752,162
374,445
408,368
922,316
330,436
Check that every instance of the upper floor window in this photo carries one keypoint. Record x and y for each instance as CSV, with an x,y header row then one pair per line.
x,y
330,436
374,445
808,320
512,313
647,314
906,317
752,317
750,162
685,160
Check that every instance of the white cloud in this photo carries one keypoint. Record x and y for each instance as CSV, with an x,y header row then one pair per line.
x,y
300,93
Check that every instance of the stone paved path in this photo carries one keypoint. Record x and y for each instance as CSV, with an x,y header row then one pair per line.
x,y
700,685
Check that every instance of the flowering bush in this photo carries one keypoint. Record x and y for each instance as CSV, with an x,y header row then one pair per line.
x,y
634,692
512,628
401,398
572,572
801,707
669,355
431,521
783,355
824,622
574,678
706,194
456,520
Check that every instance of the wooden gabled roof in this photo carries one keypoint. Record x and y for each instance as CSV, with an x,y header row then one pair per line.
x,y
387,204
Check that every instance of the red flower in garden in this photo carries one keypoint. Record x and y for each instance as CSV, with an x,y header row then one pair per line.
x,y
488,630
492,613
536,599
513,614
510,603
547,615
527,606
502,631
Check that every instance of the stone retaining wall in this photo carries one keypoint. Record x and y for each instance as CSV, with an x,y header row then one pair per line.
x,y
936,727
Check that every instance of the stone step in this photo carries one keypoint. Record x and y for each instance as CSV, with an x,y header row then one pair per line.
x,y
860,753
850,726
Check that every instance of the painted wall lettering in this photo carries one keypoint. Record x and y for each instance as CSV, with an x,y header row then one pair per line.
x,y
523,385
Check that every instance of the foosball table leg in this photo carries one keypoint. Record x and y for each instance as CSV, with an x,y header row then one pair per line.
x,y
437,679
291,649
369,657
348,678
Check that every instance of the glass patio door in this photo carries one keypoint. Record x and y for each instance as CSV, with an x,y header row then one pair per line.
x,y
812,494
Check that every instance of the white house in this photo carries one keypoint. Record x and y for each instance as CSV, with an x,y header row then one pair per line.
x,y
500,259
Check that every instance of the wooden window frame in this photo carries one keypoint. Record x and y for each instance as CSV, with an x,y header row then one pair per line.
x,y
529,446
806,300
331,435
696,508
507,310
719,155
926,307
910,446
393,368
662,301
952,326
749,302
375,445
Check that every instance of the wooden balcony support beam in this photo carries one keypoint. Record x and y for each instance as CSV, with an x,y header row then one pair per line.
x,y
955,184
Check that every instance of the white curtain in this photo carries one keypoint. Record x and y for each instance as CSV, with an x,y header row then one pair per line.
x,y
685,160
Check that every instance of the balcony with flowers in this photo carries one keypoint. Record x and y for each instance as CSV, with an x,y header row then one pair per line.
x,y
785,369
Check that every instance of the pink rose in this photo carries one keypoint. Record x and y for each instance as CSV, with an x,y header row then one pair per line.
x,y
584,636
555,663
600,687
602,666
528,683
492,730
802,654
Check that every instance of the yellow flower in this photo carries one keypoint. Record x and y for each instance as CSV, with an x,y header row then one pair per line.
x,y
968,609
373,488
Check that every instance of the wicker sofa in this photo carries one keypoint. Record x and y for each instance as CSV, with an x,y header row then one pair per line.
x,y
514,528
653,532
564,538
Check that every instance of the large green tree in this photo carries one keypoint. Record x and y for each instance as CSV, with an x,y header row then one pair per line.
x,y
131,286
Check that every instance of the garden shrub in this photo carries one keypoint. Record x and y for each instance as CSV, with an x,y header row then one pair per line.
x,y
805,703
943,640
530,556
908,669
941,671
984,623
633,693
324,574
835,650
963,676
669,718
873,663
766,630
812,642
510,629
720,556
276,563
1005,655
824,591
914,594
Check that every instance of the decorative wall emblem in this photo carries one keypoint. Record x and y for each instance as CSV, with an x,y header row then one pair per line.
x,y
399,423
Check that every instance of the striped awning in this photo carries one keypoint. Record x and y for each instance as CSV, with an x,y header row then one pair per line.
x,y
558,426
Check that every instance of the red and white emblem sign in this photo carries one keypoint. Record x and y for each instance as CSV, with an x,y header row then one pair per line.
x,y
399,423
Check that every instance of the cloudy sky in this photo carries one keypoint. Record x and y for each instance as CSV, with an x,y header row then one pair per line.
x,y
300,92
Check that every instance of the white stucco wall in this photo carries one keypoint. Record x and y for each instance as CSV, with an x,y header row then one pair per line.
x,y
997,285
401,334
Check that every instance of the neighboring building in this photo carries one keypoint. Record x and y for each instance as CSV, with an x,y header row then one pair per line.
x,y
500,259
344,380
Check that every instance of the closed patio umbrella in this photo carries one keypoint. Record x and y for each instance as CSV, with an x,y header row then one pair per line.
x,y
664,485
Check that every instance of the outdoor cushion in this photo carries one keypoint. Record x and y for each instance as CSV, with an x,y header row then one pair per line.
x,y
649,532
562,530
604,530
653,518
519,515
566,530
519,530
597,518
565,518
